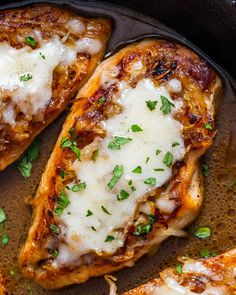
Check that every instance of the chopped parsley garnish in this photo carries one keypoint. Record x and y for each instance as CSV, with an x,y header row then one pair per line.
x,y
29,40
78,187
168,159
67,143
5,239
109,239
175,143
166,105
93,228
179,268
62,202
208,126
11,272
205,170
203,232
158,169
158,152
105,210
89,213
102,99
95,154
25,165
62,173
137,170
54,228
72,133
2,215
55,253
130,183
144,229
26,77
205,253
151,104
122,195
148,158
136,128
42,55
117,173
117,141
150,181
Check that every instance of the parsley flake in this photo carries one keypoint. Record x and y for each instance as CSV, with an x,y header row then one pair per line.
x,y
168,159
42,55
166,105
117,174
2,215
208,126
67,143
158,152
109,238
205,253
122,195
136,128
137,170
158,169
55,253
93,228
148,158
130,183
179,268
26,77
117,141
62,202
175,143
151,104
78,187
150,181
203,232
205,170
89,213
62,174
29,40
5,239
144,229
54,228
105,210
102,99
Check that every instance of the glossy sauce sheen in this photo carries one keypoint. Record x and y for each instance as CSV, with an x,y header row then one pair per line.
x,y
219,205
159,132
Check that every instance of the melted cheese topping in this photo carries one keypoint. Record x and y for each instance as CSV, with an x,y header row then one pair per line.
x,y
76,26
26,74
171,287
159,132
88,45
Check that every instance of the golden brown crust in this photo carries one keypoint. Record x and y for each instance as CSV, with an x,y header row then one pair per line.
x,y
162,61
221,274
48,20
2,286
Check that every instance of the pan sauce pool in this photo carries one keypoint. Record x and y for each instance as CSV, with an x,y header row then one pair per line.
x,y
218,211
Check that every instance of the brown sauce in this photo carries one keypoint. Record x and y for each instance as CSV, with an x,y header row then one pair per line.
x,y
218,210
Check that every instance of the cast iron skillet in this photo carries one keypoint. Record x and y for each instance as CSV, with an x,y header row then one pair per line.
x,y
212,27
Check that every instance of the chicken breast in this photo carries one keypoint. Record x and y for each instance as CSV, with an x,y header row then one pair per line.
x,y
2,286
211,276
123,175
47,54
